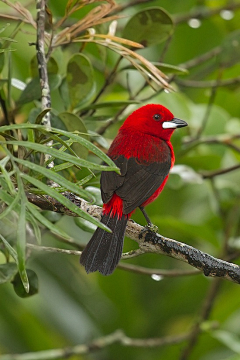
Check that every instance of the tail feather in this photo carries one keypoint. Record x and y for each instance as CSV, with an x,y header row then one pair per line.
x,y
104,250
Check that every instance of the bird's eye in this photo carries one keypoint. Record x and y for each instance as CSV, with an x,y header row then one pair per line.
x,y
157,117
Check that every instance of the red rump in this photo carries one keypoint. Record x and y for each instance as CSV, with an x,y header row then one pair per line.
x,y
114,207
143,152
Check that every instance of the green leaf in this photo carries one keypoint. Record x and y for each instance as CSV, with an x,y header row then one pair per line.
x,y
33,91
62,155
91,147
64,93
149,27
80,79
62,166
52,67
12,206
33,284
11,250
63,200
37,231
84,225
6,175
49,174
21,236
72,123
99,139
4,27
41,115
48,224
7,271
230,340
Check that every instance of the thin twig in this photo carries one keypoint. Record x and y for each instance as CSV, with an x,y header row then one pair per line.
x,y
116,337
201,58
222,139
53,250
133,268
208,84
161,273
211,174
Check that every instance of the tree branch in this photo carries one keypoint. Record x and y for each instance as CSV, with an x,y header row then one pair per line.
x,y
42,64
43,74
208,84
222,139
211,174
150,242
97,344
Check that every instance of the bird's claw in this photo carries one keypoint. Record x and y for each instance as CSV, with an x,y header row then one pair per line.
x,y
151,227
148,227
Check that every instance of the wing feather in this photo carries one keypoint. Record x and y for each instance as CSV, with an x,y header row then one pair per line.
x,y
137,182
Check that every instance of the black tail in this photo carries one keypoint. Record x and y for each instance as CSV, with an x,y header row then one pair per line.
x,y
104,249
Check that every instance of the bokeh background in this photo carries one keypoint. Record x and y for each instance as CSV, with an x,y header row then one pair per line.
x,y
201,208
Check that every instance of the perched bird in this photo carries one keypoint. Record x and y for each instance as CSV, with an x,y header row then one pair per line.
x,y
143,152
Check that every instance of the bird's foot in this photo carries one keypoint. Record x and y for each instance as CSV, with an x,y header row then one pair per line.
x,y
149,227
152,227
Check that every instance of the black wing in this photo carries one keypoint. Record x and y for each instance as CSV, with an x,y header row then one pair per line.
x,y
136,183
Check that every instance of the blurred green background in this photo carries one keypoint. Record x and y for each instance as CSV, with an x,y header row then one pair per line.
x,y
72,307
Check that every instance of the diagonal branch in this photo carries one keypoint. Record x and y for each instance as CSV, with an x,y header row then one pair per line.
x,y
150,242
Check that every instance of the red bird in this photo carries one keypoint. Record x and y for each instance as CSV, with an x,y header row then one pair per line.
x,y
143,152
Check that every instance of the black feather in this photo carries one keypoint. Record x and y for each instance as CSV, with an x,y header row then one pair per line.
x,y
104,250
137,182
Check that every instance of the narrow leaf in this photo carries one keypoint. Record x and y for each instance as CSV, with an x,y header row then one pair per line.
x,y
73,122
7,272
61,155
21,237
11,250
49,174
52,227
12,206
63,200
91,147
6,175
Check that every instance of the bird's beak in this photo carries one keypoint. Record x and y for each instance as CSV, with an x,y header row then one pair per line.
x,y
174,123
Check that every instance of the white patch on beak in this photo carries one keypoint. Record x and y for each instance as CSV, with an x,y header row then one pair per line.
x,y
169,125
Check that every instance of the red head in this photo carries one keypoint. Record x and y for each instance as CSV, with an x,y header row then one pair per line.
x,y
153,119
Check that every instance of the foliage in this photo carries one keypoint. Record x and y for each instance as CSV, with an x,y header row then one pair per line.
x,y
103,61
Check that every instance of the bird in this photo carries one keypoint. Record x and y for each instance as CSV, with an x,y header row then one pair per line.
x,y
144,154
